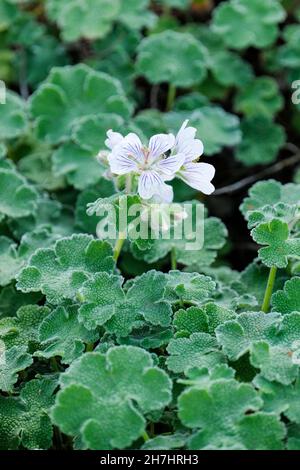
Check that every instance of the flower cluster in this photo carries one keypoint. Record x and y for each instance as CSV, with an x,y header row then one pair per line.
x,y
165,158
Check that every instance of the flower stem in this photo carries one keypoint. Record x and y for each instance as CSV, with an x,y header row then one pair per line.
x,y
173,259
269,289
120,241
90,347
171,96
118,247
128,184
145,436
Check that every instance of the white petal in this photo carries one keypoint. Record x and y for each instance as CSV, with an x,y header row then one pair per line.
x,y
131,146
198,176
149,183
125,156
185,133
121,164
160,144
187,144
170,165
113,139
192,149
166,193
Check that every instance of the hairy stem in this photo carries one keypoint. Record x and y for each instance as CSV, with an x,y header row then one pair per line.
x,y
122,236
118,247
173,259
171,97
145,436
269,289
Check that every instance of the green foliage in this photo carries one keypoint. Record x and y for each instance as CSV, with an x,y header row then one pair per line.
x,y
13,122
281,246
215,127
60,334
59,272
18,198
25,419
104,420
242,23
219,410
260,98
262,140
90,19
56,106
171,57
105,303
288,299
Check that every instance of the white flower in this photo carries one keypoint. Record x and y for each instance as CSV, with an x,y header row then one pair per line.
x,y
197,175
151,164
162,160
113,139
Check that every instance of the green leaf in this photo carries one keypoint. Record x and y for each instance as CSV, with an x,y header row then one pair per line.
x,y
269,193
226,67
262,431
59,272
50,215
229,69
192,320
214,234
151,122
280,398
37,167
57,106
177,58
215,127
23,329
134,14
237,336
274,362
288,299
61,334
106,303
78,165
12,361
280,246
261,97
103,397
101,297
242,24
190,287
273,343
262,140
199,350
173,441
77,160
92,19
285,212
24,419
287,55
17,197
13,258
13,120
218,411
